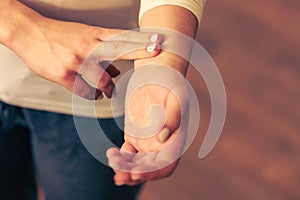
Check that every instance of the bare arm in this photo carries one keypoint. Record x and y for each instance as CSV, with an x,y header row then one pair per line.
x,y
174,18
164,148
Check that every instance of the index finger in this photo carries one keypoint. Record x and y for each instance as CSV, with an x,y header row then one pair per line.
x,y
129,36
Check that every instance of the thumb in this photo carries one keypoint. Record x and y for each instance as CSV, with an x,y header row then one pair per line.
x,y
125,50
173,118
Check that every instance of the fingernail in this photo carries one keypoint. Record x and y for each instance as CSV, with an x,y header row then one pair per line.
x,y
154,37
164,135
151,47
135,177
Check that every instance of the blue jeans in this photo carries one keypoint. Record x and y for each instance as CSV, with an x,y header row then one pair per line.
x,y
42,144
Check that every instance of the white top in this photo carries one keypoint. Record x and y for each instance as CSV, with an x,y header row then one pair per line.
x,y
19,86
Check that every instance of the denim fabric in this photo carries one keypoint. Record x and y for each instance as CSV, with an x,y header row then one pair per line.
x,y
48,143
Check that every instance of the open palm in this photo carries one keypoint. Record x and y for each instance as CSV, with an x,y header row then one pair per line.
x,y
154,127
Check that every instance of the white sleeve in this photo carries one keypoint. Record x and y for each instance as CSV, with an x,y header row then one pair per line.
x,y
195,6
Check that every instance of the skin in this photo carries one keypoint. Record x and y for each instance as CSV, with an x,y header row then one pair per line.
x,y
133,169
49,47
57,58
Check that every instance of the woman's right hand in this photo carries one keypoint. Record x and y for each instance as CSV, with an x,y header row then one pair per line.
x,y
55,50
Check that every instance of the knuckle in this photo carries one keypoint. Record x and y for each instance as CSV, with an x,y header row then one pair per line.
x,y
94,31
61,74
73,60
104,81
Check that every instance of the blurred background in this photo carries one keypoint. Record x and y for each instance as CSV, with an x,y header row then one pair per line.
x,y
256,45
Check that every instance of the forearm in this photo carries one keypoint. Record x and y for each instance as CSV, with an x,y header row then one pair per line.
x,y
174,18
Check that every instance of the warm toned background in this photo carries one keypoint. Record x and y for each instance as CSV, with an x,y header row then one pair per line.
x,y
256,46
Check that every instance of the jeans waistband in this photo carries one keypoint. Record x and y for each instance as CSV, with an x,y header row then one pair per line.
x,y
10,116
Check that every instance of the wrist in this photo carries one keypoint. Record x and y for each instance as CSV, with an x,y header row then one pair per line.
x,y
18,22
165,59
177,31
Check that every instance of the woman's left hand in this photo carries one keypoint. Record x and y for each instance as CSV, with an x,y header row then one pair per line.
x,y
145,157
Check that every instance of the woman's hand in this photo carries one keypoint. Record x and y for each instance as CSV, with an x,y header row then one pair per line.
x,y
152,145
55,50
